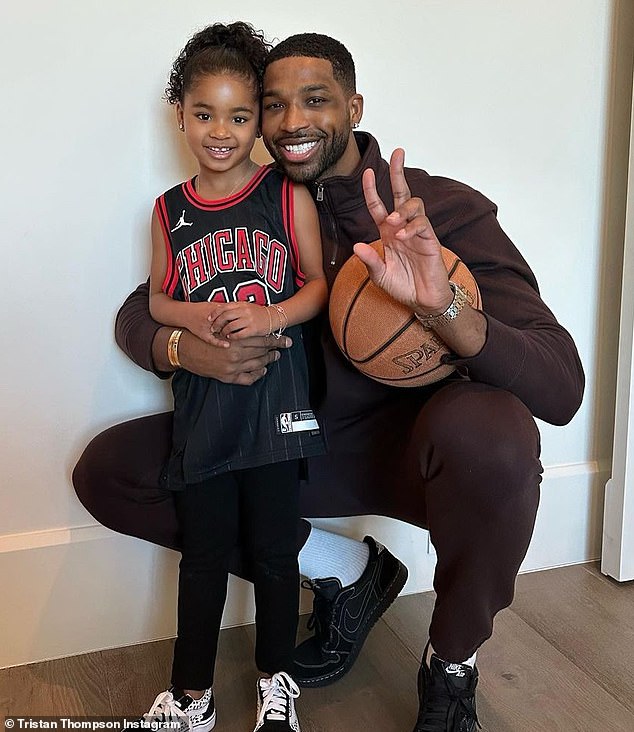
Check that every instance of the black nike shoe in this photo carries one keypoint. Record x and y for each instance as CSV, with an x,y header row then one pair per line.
x,y
343,616
447,696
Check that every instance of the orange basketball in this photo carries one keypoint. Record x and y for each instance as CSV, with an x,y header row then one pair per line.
x,y
380,336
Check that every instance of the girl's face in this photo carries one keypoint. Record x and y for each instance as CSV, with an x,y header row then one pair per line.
x,y
220,115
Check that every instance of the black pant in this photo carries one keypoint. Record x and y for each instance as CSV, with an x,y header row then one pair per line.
x,y
258,510
463,463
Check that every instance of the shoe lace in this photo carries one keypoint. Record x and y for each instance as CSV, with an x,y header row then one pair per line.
x,y
320,619
276,693
438,706
167,709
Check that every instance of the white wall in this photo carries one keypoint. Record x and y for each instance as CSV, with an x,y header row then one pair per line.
x,y
510,96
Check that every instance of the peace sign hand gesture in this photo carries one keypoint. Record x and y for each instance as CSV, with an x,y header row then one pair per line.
x,y
413,271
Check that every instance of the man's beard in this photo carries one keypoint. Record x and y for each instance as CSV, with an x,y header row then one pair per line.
x,y
331,152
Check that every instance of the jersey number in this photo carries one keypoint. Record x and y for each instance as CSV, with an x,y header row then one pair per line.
x,y
252,291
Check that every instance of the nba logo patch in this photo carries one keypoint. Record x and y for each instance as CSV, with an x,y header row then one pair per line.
x,y
301,421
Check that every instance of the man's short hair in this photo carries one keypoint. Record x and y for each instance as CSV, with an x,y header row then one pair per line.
x,y
316,45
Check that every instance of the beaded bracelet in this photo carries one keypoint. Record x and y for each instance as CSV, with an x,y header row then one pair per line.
x,y
283,323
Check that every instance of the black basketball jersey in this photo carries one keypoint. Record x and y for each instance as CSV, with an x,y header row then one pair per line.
x,y
240,248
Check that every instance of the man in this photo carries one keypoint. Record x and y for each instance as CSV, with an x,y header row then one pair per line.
x,y
460,457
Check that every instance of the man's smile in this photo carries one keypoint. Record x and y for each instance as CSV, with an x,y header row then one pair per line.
x,y
298,150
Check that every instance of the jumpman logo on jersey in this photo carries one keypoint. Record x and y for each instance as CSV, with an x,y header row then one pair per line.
x,y
182,222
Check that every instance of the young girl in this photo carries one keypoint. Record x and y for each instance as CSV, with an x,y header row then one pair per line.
x,y
236,253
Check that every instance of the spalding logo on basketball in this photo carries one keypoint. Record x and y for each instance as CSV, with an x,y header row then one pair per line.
x,y
380,336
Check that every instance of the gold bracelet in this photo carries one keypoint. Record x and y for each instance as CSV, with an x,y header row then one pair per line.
x,y
172,348
283,323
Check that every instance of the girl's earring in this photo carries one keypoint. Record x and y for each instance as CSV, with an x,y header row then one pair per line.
x,y
181,127
258,135
355,125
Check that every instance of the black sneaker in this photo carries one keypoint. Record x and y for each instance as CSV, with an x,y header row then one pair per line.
x,y
447,696
343,616
276,704
177,708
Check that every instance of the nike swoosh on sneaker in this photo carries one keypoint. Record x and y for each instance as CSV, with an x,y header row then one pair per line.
x,y
351,623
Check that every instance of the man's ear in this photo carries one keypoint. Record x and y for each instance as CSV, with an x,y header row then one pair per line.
x,y
355,105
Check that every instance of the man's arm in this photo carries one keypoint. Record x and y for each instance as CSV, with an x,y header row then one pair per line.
x,y
159,351
517,343
526,351
135,331
145,342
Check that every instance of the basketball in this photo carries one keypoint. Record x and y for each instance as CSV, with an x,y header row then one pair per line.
x,y
380,336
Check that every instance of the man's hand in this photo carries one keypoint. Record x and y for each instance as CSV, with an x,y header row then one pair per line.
x,y
413,271
199,321
243,362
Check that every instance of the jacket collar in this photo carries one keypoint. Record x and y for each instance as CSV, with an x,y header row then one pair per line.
x,y
347,190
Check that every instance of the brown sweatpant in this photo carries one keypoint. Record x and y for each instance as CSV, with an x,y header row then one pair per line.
x,y
462,461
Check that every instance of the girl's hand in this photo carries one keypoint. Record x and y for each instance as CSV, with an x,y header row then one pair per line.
x,y
237,320
200,317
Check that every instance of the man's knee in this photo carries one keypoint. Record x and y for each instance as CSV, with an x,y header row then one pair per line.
x,y
92,473
478,430
123,463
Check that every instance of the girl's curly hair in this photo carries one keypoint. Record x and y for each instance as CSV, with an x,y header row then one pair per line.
x,y
236,48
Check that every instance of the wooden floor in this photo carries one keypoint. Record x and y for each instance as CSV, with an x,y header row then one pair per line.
x,y
561,659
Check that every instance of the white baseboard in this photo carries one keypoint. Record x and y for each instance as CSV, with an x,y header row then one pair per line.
x,y
570,517
81,589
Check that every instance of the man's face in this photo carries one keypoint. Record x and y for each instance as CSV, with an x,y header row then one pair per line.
x,y
307,119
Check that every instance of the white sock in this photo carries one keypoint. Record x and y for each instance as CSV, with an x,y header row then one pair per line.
x,y
331,555
469,662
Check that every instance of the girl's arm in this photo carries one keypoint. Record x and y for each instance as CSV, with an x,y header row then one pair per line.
x,y
194,316
241,319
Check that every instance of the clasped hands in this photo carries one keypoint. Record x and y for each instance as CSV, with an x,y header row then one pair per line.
x,y
218,323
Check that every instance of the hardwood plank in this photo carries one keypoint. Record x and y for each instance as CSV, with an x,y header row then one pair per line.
x,y
409,619
135,675
525,683
589,618
73,686
235,680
